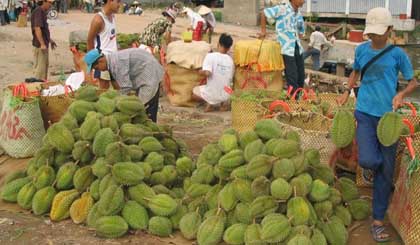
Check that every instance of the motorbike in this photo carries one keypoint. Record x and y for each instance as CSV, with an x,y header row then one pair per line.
x,y
52,13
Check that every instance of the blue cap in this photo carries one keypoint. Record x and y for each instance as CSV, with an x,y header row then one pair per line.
x,y
91,57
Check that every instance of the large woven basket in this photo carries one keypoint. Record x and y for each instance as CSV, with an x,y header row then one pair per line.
x,y
331,98
415,120
404,211
313,129
246,112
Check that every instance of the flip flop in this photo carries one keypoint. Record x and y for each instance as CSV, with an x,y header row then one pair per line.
x,y
367,176
377,231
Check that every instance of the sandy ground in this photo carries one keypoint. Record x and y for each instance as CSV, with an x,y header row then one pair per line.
x,y
196,128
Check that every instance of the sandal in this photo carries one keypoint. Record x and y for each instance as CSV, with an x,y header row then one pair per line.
x,y
378,233
367,176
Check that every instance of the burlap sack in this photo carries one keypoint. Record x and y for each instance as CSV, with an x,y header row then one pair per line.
x,y
246,79
22,21
21,125
179,85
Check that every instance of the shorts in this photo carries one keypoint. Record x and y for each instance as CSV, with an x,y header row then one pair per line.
x,y
104,75
210,98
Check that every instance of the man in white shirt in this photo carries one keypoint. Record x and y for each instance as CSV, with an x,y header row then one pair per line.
x,y
317,41
218,67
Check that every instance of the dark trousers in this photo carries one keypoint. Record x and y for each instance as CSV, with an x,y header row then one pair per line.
x,y
316,58
294,69
152,107
2,17
381,159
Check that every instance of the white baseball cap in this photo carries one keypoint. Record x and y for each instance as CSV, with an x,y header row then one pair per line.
x,y
377,21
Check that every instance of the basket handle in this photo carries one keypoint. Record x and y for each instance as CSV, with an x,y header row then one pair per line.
x,y
275,104
289,91
305,93
68,88
20,90
413,109
162,57
259,78
409,139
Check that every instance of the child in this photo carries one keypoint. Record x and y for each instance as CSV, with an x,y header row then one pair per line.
x,y
378,95
218,68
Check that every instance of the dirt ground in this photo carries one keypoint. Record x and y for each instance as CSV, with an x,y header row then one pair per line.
x,y
195,127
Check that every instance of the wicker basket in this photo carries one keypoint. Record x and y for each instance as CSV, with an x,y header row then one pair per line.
x,y
54,107
246,112
331,98
404,211
313,129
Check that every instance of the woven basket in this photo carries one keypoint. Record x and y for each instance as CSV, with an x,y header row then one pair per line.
x,y
246,112
331,98
54,107
404,211
313,129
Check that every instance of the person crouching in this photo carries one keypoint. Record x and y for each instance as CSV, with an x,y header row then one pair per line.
x,y
218,68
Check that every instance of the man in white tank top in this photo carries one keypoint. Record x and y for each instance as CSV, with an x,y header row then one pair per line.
x,y
103,36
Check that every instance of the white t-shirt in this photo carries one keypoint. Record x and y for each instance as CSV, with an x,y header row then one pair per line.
x,y
318,39
222,68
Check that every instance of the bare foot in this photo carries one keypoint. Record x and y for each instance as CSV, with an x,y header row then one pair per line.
x,y
224,106
209,108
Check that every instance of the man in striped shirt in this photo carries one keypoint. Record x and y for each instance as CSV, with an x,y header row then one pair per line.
x,y
134,70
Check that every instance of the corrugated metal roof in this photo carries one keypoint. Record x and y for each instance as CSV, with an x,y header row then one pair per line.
x,y
356,6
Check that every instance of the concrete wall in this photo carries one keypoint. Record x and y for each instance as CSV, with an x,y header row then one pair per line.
x,y
244,12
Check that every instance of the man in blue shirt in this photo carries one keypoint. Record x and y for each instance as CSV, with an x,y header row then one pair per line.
x,y
377,96
289,29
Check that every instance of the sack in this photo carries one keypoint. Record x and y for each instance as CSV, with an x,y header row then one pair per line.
x,y
179,84
21,125
187,55
245,78
22,21
265,53
404,212
53,107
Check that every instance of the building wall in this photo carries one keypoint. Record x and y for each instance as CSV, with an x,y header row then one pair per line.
x,y
245,12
